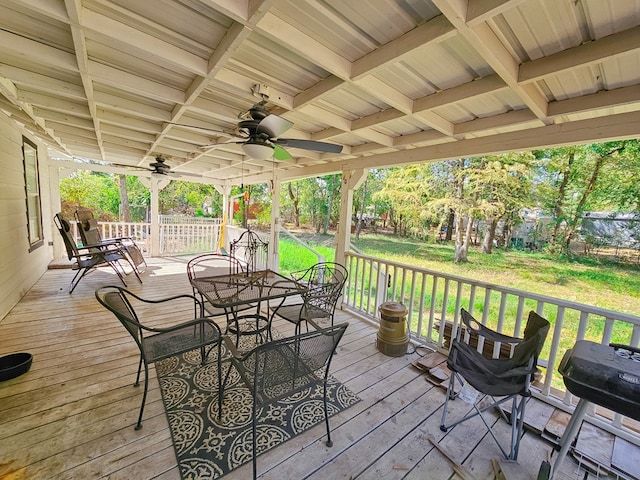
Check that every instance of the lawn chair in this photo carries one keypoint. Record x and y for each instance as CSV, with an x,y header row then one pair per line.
x,y
90,234
159,343
279,368
88,257
507,378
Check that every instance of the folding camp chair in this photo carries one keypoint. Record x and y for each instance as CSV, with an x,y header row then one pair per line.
x,y
506,378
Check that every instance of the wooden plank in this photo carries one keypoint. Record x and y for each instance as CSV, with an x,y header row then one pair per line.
x,y
510,470
626,458
595,444
459,469
536,415
556,425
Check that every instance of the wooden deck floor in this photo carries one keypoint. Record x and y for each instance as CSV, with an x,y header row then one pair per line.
x,y
72,415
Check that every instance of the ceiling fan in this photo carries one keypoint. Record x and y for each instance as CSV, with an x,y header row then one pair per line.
x,y
260,132
159,167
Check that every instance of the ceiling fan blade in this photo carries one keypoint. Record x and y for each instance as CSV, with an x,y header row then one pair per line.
x,y
309,145
273,125
219,144
280,153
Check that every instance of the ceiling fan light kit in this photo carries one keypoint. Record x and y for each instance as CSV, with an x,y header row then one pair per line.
x,y
258,151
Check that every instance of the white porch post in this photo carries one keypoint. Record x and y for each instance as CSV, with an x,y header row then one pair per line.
x,y
351,179
55,174
155,185
227,211
274,242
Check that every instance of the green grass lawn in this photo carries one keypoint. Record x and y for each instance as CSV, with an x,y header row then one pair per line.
x,y
583,279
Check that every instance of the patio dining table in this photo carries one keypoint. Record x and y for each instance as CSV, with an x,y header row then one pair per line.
x,y
234,291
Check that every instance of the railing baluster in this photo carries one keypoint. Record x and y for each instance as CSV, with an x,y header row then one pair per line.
x,y
572,322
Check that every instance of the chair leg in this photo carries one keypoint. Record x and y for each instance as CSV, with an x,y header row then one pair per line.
x,y
74,282
517,426
139,370
326,415
144,395
254,436
449,394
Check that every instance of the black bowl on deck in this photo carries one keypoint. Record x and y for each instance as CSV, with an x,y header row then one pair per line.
x,y
14,365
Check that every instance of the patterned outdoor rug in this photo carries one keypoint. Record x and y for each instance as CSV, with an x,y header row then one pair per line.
x,y
208,448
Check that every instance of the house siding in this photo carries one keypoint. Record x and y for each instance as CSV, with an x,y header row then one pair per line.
x,y
19,268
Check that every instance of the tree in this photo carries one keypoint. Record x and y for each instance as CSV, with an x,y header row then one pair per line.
x,y
125,210
96,191
502,185
188,198
573,175
407,190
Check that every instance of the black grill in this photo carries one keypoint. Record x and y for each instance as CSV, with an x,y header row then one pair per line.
x,y
607,375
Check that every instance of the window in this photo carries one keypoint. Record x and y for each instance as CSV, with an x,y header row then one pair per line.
x,y
32,188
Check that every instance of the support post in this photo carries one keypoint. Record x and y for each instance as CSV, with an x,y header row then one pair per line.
x,y
351,179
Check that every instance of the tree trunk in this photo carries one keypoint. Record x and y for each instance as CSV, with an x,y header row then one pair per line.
x,y
490,234
572,224
558,211
462,245
296,206
330,205
125,208
450,223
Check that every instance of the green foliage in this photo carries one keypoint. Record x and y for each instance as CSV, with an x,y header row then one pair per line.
x,y
187,198
95,190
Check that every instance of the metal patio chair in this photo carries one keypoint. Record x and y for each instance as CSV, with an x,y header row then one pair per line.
x,y
88,257
157,343
282,367
325,283
212,264
251,251
507,378
90,234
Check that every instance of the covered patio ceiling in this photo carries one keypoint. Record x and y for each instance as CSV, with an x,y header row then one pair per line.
x,y
392,81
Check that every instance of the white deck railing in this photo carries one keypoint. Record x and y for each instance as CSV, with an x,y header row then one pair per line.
x,y
433,299
175,238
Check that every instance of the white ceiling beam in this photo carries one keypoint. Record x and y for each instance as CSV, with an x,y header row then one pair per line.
x,y
35,81
123,105
485,41
433,31
148,46
482,10
590,53
106,75
594,130
277,29
604,100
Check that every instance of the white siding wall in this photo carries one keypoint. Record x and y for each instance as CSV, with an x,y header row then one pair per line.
x,y
19,268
